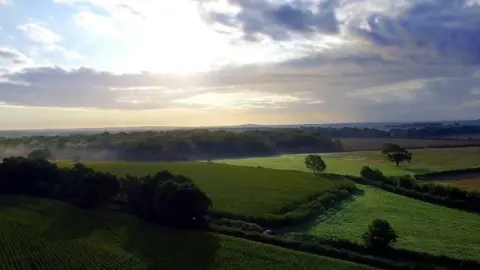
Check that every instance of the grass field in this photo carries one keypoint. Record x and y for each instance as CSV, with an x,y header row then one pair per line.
x,y
424,160
420,226
240,190
365,144
45,234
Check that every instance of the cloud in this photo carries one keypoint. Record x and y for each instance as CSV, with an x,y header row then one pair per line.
x,y
450,28
12,56
358,93
39,34
243,99
5,2
352,60
50,40
435,29
260,18
95,23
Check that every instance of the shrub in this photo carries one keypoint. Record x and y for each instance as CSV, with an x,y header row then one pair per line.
x,y
379,235
238,224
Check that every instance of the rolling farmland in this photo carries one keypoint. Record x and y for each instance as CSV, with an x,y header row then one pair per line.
x,y
240,190
45,234
421,226
424,161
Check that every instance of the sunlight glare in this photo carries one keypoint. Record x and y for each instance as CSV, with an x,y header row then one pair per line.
x,y
172,38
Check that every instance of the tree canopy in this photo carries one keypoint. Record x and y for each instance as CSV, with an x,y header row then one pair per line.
x,y
396,153
178,144
163,198
379,235
44,153
315,163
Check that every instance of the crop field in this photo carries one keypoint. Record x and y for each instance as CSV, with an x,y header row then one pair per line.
x,y
350,163
365,144
45,234
468,183
420,226
240,190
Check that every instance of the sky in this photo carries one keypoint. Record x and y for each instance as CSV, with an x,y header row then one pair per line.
x,y
120,63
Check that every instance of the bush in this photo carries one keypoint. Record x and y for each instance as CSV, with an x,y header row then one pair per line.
x,y
406,182
379,235
238,224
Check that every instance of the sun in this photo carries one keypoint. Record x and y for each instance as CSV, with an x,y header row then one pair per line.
x,y
172,38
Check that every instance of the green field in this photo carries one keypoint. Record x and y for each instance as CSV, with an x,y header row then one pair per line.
x,y
240,190
420,226
424,160
45,234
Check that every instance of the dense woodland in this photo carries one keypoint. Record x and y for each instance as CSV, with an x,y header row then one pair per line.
x,y
209,144
175,145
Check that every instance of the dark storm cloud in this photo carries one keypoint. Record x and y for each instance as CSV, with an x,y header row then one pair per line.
x,y
448,28
451,28
277,21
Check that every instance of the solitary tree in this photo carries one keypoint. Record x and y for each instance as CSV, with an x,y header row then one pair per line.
x,y
396,153
398,157
315,163
40,154
379,235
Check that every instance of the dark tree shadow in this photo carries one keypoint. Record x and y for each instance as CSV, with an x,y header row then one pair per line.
x,y
166,248
76,223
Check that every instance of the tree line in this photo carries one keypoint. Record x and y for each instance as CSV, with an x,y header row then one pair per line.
x,y
178,144
437,131
163,198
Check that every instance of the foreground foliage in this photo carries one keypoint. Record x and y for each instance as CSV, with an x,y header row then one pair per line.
x,y
162,198
421,226
46,234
